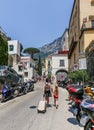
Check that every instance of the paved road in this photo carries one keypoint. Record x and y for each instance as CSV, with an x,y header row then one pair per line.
x,y
21,113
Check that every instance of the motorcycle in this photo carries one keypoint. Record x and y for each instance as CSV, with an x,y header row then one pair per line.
x,y
21,89
7,93
86,112
29,85
76,93
62,84
87,118
75,90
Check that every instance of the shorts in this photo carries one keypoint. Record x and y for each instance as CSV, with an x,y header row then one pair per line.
x,y
48,93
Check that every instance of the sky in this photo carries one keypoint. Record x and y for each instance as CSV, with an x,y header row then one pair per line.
x,y
35,22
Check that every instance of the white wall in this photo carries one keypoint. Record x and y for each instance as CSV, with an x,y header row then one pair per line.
x,y
56,63
16,45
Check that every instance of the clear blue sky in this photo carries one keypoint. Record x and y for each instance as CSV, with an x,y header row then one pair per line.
x,y
35,22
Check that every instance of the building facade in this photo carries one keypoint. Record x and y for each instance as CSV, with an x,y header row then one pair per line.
x,y
48,65
23,65
65,44
14,50
81,31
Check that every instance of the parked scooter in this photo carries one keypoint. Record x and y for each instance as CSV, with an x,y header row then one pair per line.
x,y
76,93
75,90
7,93
85,114
30,85
21,89
62,84
87,118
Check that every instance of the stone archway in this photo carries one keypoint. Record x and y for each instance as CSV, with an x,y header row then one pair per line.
x,y
61,75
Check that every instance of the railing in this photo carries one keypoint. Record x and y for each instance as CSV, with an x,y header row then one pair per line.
x,y
87,25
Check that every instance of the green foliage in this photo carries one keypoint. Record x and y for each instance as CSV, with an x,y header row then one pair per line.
x,y
39,66
3,51
79,75
42,54
49,75
31,51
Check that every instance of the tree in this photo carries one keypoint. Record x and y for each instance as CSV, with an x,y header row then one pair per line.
x,y
3,51
79,75
39,66
31,51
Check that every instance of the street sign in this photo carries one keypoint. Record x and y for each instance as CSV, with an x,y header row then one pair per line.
x,y
82,64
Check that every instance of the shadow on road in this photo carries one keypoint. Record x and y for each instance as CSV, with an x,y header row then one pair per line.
x,y
73,121
32,107
70,110
49,105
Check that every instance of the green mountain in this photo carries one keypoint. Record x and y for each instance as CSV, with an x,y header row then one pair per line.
x,y
50,48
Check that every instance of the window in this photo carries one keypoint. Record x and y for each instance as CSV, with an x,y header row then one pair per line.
x,y
48,63
92,22
62,63
26,74
20,68
11,48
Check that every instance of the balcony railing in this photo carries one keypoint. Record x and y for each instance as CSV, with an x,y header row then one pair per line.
x,y
87,25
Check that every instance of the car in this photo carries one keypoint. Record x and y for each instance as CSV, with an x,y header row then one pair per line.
x,y
9,75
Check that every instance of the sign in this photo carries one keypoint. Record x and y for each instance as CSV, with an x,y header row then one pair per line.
x,y
25,59
75,67
82,64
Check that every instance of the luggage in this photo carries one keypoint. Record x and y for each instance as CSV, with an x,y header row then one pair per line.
x,y
41,107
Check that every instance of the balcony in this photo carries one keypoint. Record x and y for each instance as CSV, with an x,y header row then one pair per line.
x,y
88,25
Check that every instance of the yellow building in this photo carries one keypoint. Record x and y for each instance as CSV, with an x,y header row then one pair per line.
x,y
48,65
81,30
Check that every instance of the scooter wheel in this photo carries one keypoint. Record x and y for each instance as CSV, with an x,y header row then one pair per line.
x,y
88,126
16,93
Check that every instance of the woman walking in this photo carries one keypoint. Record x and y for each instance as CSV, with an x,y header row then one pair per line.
x,y
55,94
47,92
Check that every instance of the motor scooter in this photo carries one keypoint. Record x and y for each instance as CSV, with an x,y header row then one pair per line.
x,y
87,117
29,85
7,93
21,89
86,113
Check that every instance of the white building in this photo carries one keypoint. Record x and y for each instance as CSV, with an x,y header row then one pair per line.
x,y
57,63
14,50
25,65
14,47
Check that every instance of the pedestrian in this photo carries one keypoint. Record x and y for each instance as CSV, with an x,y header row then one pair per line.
x,y
48,79
47,92
55,95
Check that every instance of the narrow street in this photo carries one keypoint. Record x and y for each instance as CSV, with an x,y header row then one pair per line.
x,y
21,113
